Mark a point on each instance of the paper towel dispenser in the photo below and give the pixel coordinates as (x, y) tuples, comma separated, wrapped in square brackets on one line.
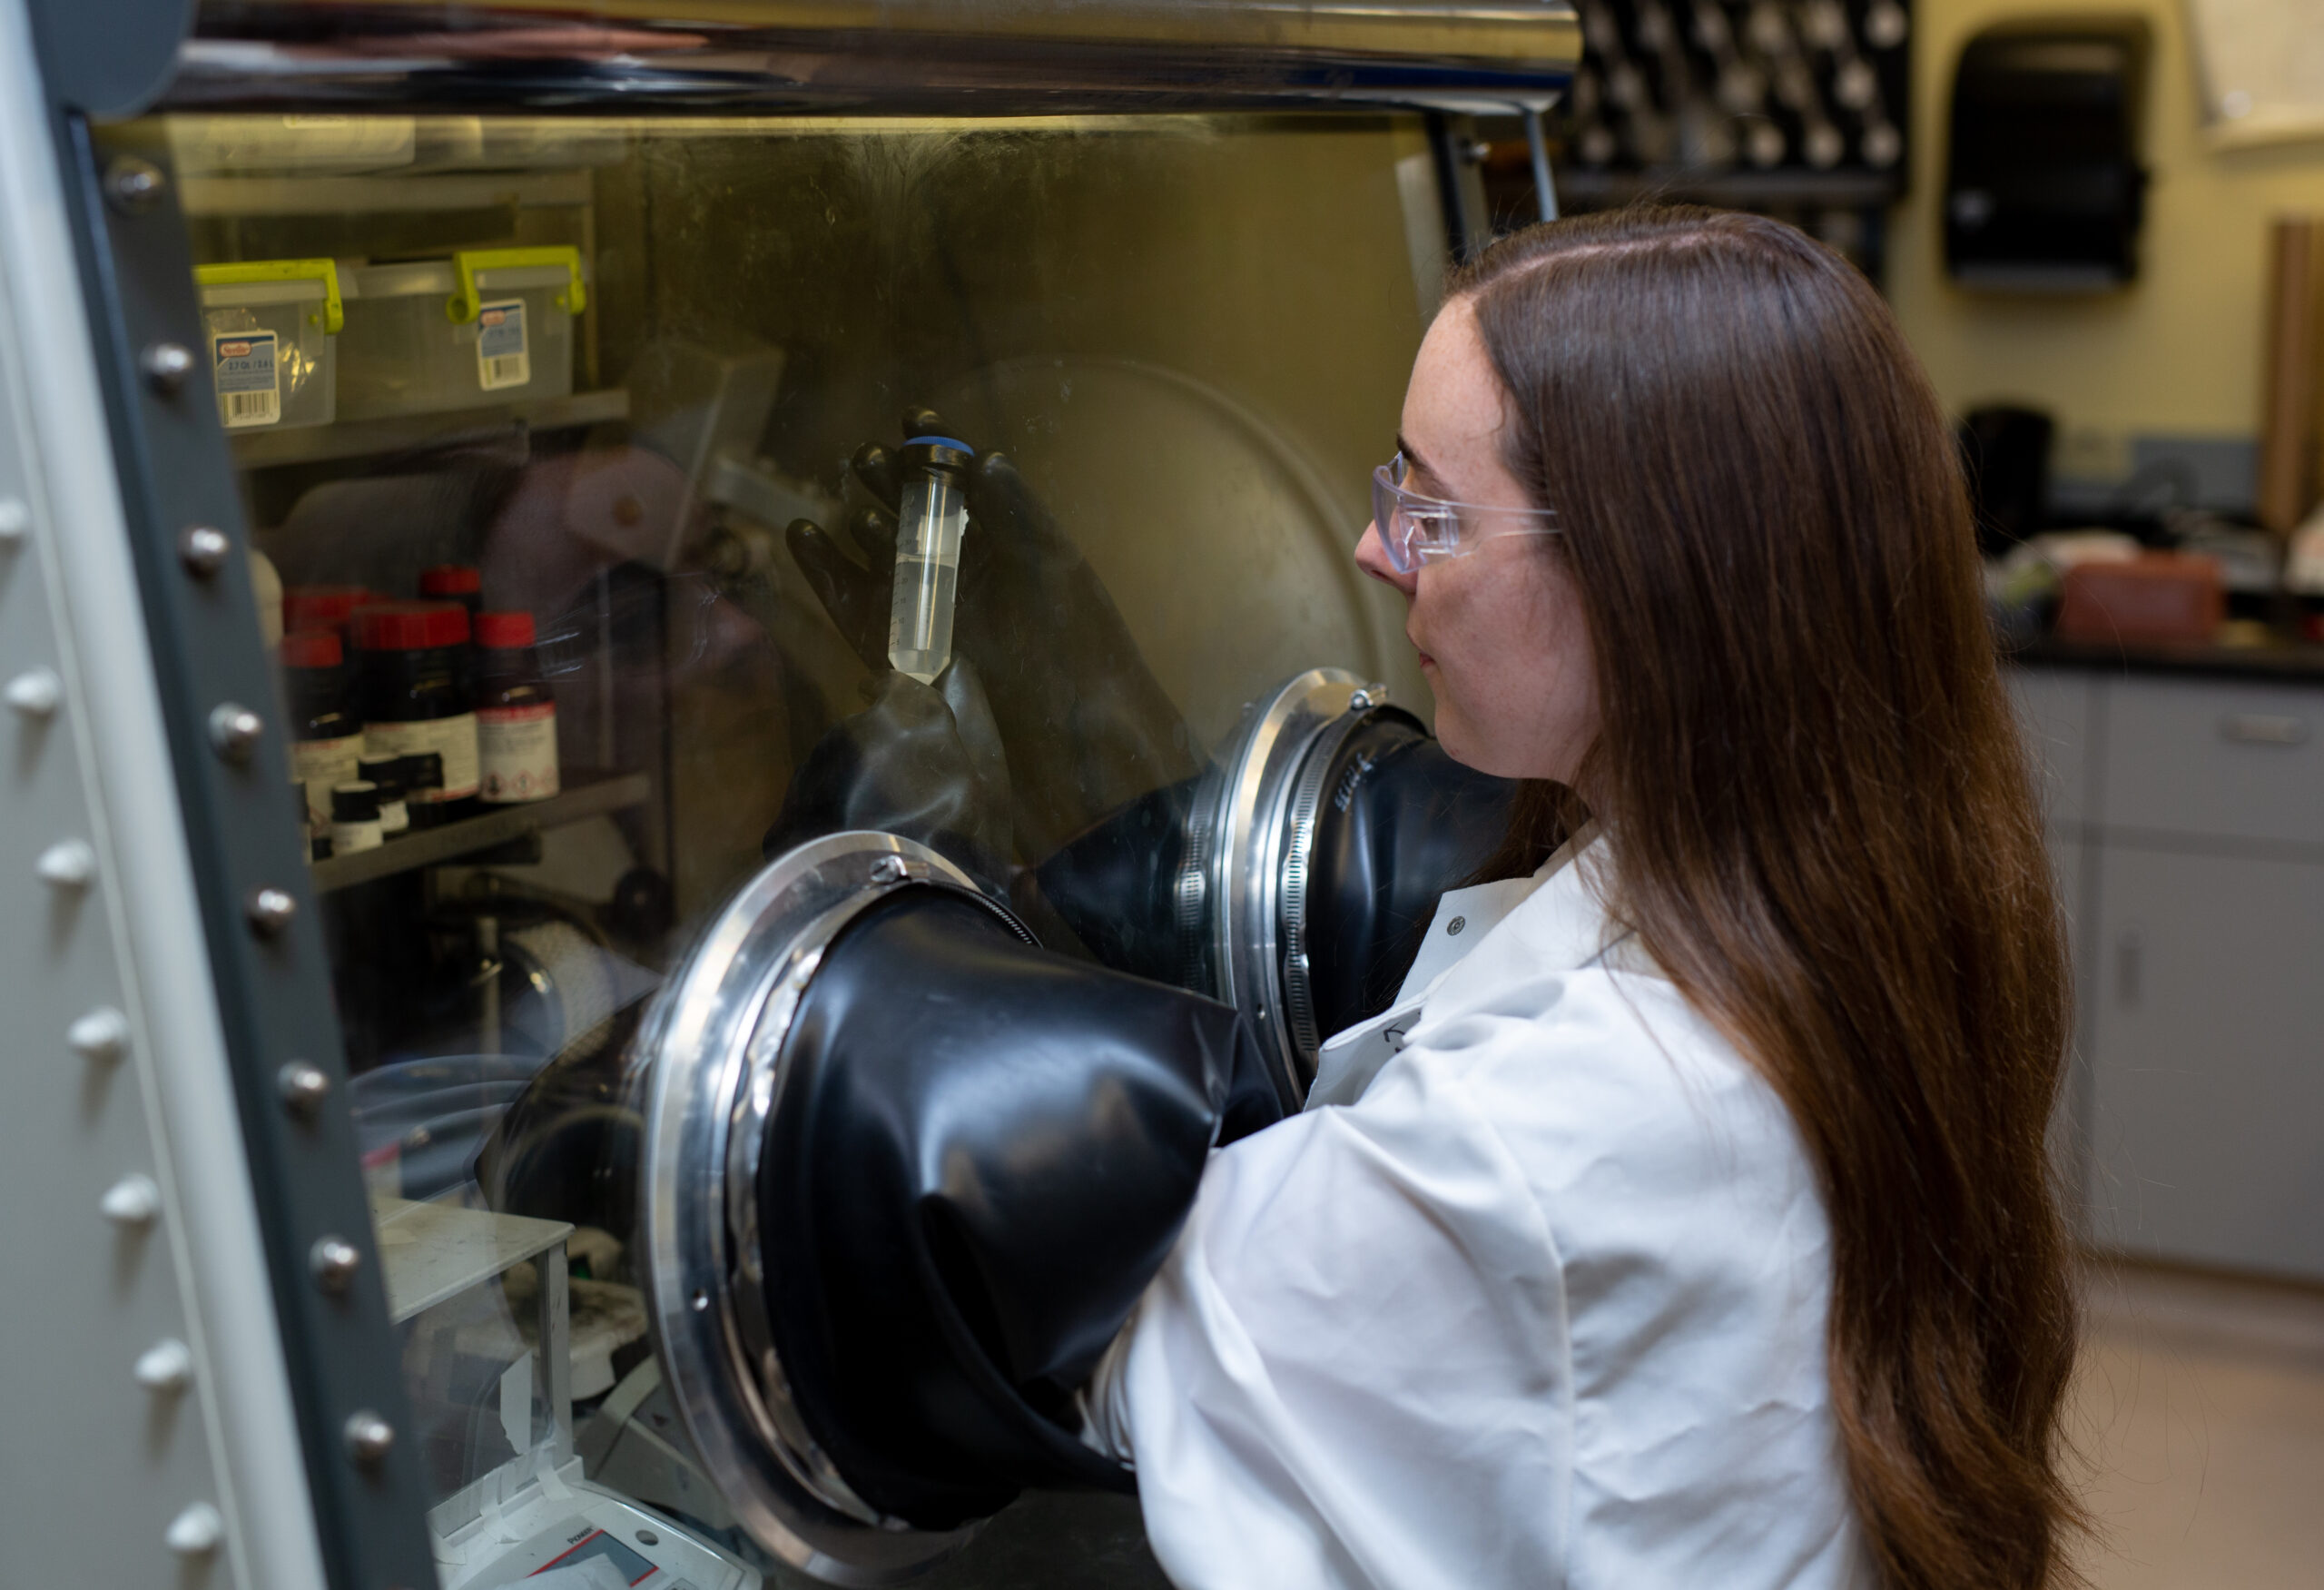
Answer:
[(2044, 191)]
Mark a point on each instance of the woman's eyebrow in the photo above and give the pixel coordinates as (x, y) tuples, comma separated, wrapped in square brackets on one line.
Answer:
[(1412, 456)]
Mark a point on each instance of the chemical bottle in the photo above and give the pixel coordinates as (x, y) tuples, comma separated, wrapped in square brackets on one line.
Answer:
[(325, 606), (423, 777), (313, 830), (454, 582), (515, 714), (355, 817), (387, 774), (326, 736), (411, 685)]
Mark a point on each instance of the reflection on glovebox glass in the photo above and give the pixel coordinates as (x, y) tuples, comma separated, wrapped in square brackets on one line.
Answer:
[(728, 805)]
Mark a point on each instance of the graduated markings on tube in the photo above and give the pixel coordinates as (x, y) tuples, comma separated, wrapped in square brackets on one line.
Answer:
[(502, 359), (247, 375)]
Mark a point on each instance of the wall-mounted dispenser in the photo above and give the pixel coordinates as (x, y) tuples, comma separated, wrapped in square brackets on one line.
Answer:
[(2044, 191)]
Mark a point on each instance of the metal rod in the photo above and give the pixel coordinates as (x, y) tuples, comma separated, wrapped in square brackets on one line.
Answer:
[(1545, 188), (890, 57)]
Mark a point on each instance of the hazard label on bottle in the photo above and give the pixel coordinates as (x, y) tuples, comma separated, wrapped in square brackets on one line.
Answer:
[(518, 752)]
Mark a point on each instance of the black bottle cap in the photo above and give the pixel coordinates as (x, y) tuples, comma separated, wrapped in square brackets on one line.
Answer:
[(387, 772), (357, 802), (938, 453)]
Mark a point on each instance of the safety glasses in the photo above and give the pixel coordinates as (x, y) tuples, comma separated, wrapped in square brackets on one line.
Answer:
[(1416, 529)]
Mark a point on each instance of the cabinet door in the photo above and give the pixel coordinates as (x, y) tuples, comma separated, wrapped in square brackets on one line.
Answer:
[(2053, 711), (2243, 759), (2069, 1124), (2208, 1129)]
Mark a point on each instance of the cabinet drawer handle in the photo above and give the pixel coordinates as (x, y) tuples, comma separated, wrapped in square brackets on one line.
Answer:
[(2264, 728)]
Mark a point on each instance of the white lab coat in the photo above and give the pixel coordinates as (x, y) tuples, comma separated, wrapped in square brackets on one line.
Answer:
[(1541, 1303)]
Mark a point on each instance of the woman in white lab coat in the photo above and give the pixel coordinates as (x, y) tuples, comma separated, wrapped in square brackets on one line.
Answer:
[(1694, 1227)]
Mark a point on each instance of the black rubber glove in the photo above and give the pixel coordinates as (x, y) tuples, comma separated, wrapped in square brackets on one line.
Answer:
[(1405, 823), (1087, 726), (925, 763), (980, 1155), (1116, 884)]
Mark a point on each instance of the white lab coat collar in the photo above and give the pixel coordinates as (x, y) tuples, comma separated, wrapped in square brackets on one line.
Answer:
[(1482, 938)]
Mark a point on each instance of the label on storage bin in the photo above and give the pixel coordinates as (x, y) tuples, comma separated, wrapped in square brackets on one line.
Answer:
[(452, 739), (250, 387), (517, 749), (320, 763), (501, 359)]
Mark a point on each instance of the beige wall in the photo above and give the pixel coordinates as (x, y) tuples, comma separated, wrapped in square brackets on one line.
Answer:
[(2179, 352)]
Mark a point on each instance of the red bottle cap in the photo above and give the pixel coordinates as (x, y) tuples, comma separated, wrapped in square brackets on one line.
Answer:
[(411, 626), (312, 648), (504, 631), (450, 579), (320, 606)]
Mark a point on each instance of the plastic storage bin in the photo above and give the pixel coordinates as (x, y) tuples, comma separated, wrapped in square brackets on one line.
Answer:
[(493, 326), (270, 330)]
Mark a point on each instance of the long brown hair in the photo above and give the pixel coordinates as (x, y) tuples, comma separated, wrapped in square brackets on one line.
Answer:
[(1821, 818)]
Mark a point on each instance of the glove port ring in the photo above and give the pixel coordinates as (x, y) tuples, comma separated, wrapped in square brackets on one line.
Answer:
[(704, 1075)]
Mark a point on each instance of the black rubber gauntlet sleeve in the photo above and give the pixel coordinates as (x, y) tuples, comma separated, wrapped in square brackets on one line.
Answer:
[(982, 1152)]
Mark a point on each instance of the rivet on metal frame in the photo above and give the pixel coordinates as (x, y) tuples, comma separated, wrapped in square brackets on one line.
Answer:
[(36, 693), (196, 1532), (131, 185), (269, 911), (202, 549), (165, 1366), (234, 730), (133, 1202), (334, 1262), (369, 1438), (303, 1087), (890, 869), (100, 1036), (69, 863), (167, 366)]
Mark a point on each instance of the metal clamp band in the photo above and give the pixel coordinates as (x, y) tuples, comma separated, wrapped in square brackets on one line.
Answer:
[(1245, 882), (706, 1073)]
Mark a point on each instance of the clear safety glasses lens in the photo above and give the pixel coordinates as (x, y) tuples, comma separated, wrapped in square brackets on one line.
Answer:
[(1413, 530)]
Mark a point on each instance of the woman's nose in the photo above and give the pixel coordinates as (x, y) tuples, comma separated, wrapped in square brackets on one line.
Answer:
[(1373, 559)]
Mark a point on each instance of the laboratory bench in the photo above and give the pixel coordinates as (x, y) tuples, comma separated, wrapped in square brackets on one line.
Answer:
[(2280, 659), (2184, 798)]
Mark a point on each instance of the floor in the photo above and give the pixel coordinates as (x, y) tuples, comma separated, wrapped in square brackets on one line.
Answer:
[(2198, 1417)]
